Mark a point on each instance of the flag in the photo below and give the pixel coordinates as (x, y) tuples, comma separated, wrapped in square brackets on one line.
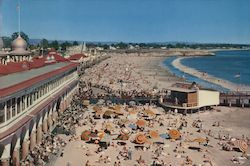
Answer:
[(237, 75)]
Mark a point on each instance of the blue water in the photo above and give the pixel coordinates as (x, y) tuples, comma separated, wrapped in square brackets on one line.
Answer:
[(225, 65)]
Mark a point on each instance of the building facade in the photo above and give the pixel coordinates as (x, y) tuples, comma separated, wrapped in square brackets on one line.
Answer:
[(29, 105)]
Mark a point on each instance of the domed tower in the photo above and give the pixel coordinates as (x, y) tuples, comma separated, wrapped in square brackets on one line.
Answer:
[(19, 50), (19, 45)]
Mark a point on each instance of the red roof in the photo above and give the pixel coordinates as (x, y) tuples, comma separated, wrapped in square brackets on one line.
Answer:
[(25, 84), (14, 67), (77, 56), (37, 62)]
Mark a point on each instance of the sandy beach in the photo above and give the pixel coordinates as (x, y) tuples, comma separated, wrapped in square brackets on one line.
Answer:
[(137, 72), (233, 124), (224, 83), (206, 138)]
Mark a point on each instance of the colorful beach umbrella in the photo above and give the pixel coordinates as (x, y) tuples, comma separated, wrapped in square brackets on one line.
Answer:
[(174, 134), (164, 136), (140, 138), (242, 145), (132, 126), (141, 123), (125, 131), (153, 134), (101, 134), (85, 135)]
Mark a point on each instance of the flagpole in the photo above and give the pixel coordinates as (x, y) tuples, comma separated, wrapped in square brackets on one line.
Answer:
[(19, 18)]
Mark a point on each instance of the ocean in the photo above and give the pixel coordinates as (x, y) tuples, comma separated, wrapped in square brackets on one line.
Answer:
[(233, 66)]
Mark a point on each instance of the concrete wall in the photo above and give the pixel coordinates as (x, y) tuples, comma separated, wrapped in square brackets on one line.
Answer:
[(208, 98)]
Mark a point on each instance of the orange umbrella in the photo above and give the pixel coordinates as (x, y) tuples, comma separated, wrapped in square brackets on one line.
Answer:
[(153, 134), (98, 112), (96, 108), (242, 145), (149, 112), (140, 138), (174, 134), (141, 123), (85, 135)]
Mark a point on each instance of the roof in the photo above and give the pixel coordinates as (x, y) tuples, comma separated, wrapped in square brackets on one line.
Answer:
[(14, 67), (15, 82), (76, 56), (182, 89)]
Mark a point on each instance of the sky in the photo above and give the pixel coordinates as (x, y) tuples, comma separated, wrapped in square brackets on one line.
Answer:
[(202, 21)]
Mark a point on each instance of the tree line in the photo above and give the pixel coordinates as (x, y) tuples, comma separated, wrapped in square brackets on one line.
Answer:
[(44, 43)]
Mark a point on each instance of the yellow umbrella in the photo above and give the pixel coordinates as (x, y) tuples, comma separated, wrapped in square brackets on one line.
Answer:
[(101, 134)]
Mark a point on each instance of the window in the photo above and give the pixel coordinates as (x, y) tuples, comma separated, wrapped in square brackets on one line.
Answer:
[(2, 114), (13, 105), (18, 105), (23, 103), (8, 109)]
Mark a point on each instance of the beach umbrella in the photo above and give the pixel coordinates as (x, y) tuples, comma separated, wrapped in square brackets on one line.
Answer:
[(153, 134), (174, 134), (108, 113), (101, 101), (150, 112), (117, 107), (242, 145), (96, 108), (106, 138), (140, 138), (125, 131), (85, 135), (132, 126), (101, 134), (141, 123), (123, 137), (118, 112), (132, 103), (200, 140), (109, 126), (164, 136), (86, 102)]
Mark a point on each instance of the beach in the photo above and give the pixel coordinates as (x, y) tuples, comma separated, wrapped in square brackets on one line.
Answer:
[(204, 76), (140, 73), (168, 151), (141, 134)]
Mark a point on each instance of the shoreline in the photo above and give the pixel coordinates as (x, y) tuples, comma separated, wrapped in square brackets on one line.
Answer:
[(207, 77)]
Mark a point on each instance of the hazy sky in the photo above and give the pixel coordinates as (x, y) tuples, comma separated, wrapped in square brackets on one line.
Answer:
[(226, 21)]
